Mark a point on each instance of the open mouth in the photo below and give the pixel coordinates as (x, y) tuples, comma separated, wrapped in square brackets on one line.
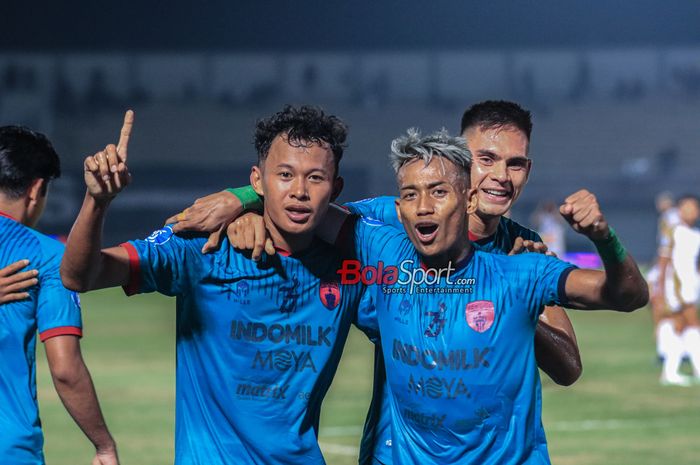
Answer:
[(426, 231), (298, 213)]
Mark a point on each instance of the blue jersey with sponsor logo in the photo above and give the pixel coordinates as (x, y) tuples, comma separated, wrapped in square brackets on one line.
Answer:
[(257, 345), (52, 310), (376, 438), (459, 353)]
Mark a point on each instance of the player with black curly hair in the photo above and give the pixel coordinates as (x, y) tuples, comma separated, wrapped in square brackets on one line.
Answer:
[(258, 343)]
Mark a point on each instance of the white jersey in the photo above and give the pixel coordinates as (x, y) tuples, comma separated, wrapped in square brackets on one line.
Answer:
[(682, 279)]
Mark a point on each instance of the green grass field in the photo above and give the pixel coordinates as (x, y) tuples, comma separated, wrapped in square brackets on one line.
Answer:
[(615, 414)]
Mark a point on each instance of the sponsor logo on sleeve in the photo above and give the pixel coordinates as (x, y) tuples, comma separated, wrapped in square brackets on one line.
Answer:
[(75, 298), (161, 236)]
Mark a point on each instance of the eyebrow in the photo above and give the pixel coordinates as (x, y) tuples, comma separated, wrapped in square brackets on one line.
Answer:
[(517, 158), (291, 168), (429, 186)]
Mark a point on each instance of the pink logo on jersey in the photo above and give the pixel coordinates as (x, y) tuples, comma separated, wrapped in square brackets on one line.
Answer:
[(330, 295), (480, 315)]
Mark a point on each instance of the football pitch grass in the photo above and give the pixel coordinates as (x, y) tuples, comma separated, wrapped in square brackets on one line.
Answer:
[(616, 414)]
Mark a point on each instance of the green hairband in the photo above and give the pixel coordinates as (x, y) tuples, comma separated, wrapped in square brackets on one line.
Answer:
[(611, 249), (248, 197)]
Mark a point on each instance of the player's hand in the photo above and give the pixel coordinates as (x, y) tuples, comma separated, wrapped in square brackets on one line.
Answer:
[(211, 214), (582, 212), (526, 245), (106, 172), (249, 233), (13, 283), (106, 457)]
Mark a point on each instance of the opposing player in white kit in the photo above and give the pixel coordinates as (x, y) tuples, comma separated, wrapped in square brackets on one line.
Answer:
[(678, 272)]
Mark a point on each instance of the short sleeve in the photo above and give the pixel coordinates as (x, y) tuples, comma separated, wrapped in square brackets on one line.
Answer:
[(541, 280), (380, 208), (158, 263), (58, 309), (377, 242)]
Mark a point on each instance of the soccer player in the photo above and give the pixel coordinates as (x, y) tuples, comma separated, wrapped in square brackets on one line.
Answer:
[(498, 133), (457, 325), (678, 272), (28, 163), (258, 343)]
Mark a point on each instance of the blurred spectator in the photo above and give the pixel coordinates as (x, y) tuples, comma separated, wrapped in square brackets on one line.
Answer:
[(551, 226)]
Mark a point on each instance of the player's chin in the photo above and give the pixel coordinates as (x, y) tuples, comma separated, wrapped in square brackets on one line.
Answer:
[(495, 209), (299, 227)]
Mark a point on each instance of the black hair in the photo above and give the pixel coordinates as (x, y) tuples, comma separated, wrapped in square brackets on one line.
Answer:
[(302, 126), (687, 196), (25, 155), (497, 114)]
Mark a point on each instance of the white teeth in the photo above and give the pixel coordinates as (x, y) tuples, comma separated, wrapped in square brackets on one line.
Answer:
[(496, 193)]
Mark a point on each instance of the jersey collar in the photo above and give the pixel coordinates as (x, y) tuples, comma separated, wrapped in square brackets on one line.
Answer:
[(2, 213), (460, 265)]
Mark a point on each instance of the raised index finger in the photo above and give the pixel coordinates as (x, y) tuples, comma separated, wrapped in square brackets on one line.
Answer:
[(124, 135)]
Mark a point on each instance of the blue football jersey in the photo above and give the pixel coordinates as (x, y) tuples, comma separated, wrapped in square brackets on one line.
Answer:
[(376, 436), (459, 352), (257, 345), (52, 310)]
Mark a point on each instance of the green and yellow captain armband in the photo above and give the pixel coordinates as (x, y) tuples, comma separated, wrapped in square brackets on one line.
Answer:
[(611, 249), (248, 197)]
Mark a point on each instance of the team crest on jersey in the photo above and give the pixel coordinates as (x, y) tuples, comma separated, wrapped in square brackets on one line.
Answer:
[(161, 236), (480, 315), (329, 293)]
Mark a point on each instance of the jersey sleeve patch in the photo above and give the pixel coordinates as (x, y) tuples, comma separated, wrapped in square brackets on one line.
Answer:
[(60, 331)]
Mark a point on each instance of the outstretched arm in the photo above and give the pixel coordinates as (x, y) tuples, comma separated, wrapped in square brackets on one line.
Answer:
[(74, 386), (621, 286), (85, 264)]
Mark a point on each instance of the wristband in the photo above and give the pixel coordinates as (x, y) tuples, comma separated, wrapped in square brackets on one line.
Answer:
[(248, 197), (611, 249)]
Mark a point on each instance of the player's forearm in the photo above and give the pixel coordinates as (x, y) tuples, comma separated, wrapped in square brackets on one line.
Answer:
[(77, 392), (83, 260), (624, 288), (556, 348)]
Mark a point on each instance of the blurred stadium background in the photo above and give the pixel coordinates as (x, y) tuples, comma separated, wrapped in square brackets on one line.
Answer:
[(614, 88)]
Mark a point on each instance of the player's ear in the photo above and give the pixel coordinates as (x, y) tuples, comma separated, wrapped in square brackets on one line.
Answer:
[(529, 168), (36, 190), (256, 180), (472, 200), (338, 185), (398, 210)]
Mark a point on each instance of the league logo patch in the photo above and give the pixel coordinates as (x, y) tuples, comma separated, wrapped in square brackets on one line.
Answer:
[(480, 315), (161, 236), (329, 294)]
